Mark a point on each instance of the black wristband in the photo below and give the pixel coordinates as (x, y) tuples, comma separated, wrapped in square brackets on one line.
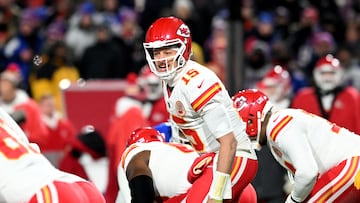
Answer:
[(293, 199), (142, 189)]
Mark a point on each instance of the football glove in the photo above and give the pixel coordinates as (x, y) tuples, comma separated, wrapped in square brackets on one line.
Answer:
[(199, 165)]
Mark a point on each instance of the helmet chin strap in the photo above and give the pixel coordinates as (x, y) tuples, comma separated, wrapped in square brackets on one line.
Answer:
[(260, 119), (256, 144)]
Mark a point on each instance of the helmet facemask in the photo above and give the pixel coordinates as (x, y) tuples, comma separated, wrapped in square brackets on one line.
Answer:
[(254, 125), (172, 63), (253, 106), (328, 80), (253, 128), (328, 74)]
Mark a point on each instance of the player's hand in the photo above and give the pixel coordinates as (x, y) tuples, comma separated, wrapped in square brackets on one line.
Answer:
[(289, 199), (214, 201), (199, 165)]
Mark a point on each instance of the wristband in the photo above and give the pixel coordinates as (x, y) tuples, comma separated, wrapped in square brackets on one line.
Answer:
[(142, 189), (218, 185), (228, 190)]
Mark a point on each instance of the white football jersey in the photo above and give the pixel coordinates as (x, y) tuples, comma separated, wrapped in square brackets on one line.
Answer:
[(306, 144), (201, 107), (23, 170), (169, 164)]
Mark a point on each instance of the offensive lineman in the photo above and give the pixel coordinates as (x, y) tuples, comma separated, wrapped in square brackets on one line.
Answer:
[(148, 161), (201, 108), (322, 158), (27, 176)]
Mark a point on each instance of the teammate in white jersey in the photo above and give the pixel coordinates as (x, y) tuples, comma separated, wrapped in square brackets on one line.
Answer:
[(200, 106), (27, 176), (322, 158), (155, 169)]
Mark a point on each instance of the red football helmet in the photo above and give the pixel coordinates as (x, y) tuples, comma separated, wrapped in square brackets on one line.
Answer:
[(168, 32), (252, 106), (328, 74), (144, 135), (276, 84)]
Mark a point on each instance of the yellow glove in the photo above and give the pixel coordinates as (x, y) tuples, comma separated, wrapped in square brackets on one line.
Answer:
[(357, 180)]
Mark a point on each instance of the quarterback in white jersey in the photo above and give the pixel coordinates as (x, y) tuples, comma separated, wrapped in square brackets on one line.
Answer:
[(322, 158), (27, 176), (200, 106)]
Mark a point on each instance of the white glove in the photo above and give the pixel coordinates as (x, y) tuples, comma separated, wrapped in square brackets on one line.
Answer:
[(290, 199)]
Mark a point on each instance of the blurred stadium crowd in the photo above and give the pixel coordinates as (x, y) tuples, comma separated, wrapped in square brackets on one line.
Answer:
[(43, 42)]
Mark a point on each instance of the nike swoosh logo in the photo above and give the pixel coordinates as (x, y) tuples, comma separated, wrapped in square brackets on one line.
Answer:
[(199, 86)]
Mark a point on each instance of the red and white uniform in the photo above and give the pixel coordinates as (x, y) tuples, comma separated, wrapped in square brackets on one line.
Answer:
[(322, 156), (198, 91), (27, 176), (200, 106), (169, 164)]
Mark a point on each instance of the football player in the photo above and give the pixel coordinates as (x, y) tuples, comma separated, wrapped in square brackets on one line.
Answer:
[(28, 176), (149, 161), (321, 157), (201, 108)]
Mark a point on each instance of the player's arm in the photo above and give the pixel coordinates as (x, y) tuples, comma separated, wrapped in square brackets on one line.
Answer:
[(140, 180), (218, 122), (226, 152), (123, 195), (298, 150)]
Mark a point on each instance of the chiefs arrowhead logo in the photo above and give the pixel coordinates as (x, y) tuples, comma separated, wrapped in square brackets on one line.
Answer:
[(183, 31), (180, 109), (240, 103)]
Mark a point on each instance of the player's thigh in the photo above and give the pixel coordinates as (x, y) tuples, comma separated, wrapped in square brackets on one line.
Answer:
[(248, 195), (62, 192), (201, 187), (337, 184), (243, 172)]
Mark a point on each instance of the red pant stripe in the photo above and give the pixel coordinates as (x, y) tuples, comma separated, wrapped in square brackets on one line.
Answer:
[(351, 169), (236, 167)]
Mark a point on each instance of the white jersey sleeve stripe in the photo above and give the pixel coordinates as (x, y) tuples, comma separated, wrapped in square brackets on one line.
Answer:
[(206, 96)]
